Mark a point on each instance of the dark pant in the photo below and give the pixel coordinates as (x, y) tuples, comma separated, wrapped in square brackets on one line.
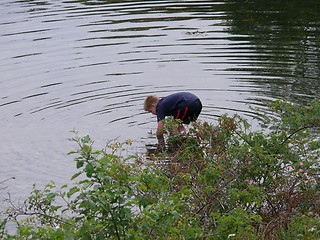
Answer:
[(189, 113)]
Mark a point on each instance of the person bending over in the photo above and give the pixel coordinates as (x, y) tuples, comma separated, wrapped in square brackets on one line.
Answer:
[(182, 105)]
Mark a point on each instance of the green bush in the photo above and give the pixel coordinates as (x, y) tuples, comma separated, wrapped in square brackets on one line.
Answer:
[(217, 181)]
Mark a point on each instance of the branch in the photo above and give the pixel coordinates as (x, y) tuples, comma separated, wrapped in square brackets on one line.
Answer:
[(243, 138), (293, 133), (2, 182), (19, 212)]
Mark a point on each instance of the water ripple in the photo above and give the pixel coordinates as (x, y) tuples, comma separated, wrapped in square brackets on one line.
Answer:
[(90, 64)]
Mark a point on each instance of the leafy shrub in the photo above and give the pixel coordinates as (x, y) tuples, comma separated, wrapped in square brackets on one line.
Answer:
[(217, 181)]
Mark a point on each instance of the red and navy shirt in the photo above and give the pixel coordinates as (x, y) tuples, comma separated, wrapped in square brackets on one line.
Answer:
[(174, 104)]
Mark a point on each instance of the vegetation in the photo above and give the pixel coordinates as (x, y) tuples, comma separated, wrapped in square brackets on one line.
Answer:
[(218, 181)]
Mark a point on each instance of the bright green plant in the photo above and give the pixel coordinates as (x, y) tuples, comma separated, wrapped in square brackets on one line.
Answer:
[(217, 181)]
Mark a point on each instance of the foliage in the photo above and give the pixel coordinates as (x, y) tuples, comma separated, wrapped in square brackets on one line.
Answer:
[(217, 181)]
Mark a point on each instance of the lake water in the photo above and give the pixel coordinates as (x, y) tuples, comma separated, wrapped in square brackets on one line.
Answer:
[(88, 65)]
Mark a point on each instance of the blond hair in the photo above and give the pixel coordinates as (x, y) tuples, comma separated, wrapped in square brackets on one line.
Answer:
[(149, 101)]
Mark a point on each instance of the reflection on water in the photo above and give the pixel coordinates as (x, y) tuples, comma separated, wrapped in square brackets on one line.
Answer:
[(284, 37), (88, 65)]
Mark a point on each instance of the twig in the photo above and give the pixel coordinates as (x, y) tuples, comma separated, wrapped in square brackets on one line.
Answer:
[(293, 133), (17, 213), (2, 182), (7, 180)]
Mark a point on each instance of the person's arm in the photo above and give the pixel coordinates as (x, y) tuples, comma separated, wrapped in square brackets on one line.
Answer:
[(160, 133)]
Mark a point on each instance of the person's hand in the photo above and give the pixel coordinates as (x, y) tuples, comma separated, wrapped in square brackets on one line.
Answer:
[(160, 145)]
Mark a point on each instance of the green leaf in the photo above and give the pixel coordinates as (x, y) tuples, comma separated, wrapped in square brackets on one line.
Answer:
[(89, 204), (86, 139), (72, 191), (51, 196), (80, 163), (125, 213), (89, 170), (75, 175)]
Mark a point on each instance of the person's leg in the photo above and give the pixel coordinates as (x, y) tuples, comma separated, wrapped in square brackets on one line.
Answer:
[(194, 111), (180, 115)]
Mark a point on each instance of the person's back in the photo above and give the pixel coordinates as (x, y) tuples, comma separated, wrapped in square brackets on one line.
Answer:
[(169, 106)]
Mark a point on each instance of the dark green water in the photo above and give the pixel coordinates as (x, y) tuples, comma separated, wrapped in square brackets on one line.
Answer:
[(88, 65)]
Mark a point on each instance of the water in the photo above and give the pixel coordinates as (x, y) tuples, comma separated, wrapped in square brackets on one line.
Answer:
[(88, 65)]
